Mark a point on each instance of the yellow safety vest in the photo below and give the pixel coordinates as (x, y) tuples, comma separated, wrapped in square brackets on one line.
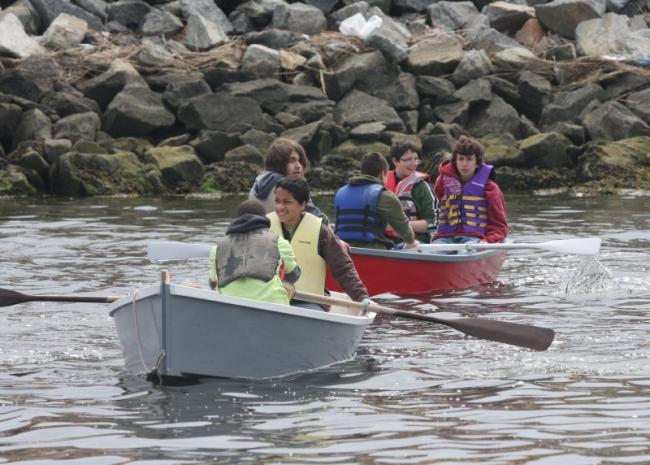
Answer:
[(305, 246)]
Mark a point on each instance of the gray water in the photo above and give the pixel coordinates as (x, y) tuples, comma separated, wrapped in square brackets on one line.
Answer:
[(416, 393)]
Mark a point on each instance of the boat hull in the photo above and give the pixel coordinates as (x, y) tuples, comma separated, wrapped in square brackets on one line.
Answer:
[(173, 330), (404, 272)]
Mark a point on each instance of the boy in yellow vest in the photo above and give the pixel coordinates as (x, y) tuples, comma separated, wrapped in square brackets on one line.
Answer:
[(313, 243)]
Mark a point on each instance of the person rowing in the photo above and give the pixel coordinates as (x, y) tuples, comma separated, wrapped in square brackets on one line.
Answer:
[(364, 208)]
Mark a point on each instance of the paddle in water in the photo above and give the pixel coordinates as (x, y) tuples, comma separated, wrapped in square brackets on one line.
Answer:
[(530, 337), (9, 297)]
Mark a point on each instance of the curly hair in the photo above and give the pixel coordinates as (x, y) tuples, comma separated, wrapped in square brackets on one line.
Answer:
[(468, 146)]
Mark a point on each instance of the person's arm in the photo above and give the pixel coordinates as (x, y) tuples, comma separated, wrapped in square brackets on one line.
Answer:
[(497, 228), (335, 254), (391, 210), (291, 268), (427, 206)]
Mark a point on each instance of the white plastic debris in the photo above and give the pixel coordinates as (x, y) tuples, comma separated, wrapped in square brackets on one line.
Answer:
[(357, 25)]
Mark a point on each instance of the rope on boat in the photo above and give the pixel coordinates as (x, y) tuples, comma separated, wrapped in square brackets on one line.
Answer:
[(137, 332)]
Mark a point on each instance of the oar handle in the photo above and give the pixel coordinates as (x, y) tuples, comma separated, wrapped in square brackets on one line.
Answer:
[(73, 298)]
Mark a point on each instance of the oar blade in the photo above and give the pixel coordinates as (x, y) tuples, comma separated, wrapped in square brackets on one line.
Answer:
[(170, 250), (530, 337), (585, 246), (8, 298)]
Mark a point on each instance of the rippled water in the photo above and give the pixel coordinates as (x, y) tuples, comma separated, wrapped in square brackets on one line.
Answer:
[(416, 393)]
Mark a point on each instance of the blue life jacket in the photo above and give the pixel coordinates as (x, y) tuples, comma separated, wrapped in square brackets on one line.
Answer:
[(355, 206)]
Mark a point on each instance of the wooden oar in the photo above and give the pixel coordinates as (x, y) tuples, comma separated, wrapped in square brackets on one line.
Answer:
[(530, 337), (586, 246), (8, 297), (170, 250)]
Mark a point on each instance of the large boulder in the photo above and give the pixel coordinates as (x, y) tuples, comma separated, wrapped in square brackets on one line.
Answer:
[(49, 10), (32, 78), (436, 54), (181, 169), (136, 111), (14, 41), (221, 111), (82, 174), (622, 160), (613, 121), (546, 150), (563, 16), (358, 107)]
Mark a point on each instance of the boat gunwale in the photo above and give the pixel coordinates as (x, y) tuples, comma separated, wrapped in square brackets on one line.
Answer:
[(213, 296), (425, 256)]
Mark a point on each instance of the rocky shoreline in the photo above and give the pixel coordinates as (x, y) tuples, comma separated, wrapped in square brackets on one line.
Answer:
[(183, 97)]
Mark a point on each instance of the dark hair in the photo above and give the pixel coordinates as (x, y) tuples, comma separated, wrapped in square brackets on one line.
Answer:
[(254, 207), (297, 186), (373, 164), (468, 146), (277, 156), (399, 147)]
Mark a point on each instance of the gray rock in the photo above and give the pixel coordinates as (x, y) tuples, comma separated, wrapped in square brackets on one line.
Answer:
[(326, 6), (451, 15), (639, 104), (508, 17), (10, 115), (27, 15), (260, 12), (566, 106), (433, 87), (563, 16), (453, 113), (498, 117), (48, 10), (402, 94), (245, 153), (208, 10), (299, 17), (436, 54), (98, 8), (68, 103), (14, 41), (136, 111), (203, 34), (313, 137), (574, 132), (31, 79), (546, 150), (277, 39), (77, 126), (211, 146), (368, 131), (492, 41), (223, 112), (358, 107), (180, 91), (262, 61), (475, 92), (54, 148), (103, 88), (275, 96), (614, 121), (65, 31), (129, 13), (160, 23), (535, 92), (473, 65), (180, 168), (602, 36), (365, 71), (33, 125)]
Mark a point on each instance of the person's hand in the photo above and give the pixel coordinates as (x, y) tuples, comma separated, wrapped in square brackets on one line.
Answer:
[(290, 288), (412, 245), (367, 302)]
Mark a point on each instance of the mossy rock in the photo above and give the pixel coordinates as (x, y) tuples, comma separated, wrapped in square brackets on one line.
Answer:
[(137, 145), (532, 179), (14, 182), (355, 149), (620, 159), (228, 177), (181, 169), (245, 153), (88, 174)]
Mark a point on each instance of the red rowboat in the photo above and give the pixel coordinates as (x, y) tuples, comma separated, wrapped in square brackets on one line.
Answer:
[(420, 272)]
